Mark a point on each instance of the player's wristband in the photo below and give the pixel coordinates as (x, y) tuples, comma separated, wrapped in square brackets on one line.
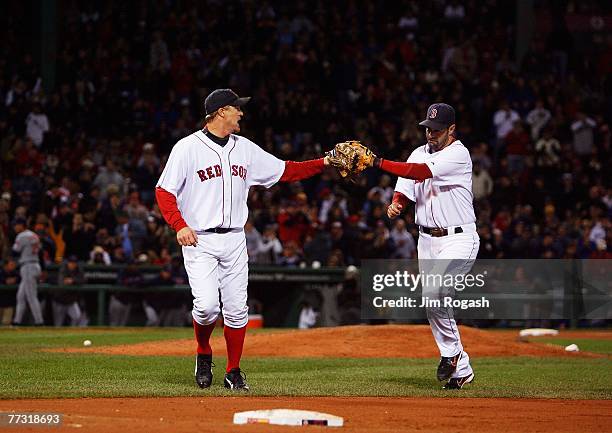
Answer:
[(377, 162)]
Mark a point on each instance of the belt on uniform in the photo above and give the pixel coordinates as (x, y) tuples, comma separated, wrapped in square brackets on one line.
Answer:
[(220, 230), (438, 232)]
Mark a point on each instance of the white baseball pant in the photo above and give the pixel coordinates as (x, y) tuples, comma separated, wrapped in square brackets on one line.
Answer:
[(219, 264), (447, 255)]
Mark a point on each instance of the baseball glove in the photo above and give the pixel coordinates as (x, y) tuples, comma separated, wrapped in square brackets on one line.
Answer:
[(350, 158)]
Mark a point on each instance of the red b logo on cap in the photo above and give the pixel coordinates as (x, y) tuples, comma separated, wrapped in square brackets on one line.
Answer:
[(433, 114)]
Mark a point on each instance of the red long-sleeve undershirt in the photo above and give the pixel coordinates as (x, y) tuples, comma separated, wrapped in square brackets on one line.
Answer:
[(166, 201), (409, 170), (294, 171), (401, 199)]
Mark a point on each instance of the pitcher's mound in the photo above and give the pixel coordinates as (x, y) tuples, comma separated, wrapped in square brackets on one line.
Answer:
[(386, 341)]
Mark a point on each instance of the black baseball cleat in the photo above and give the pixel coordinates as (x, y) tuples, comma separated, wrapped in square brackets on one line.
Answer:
[(447, 366), (458, 382), (203, 370), (236, 380)]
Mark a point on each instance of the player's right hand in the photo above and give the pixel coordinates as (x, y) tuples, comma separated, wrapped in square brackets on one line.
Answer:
[(394, 210), (187, 237)]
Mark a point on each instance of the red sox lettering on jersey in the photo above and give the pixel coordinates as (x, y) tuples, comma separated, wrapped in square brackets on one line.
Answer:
[(216, 171), (197, 174)]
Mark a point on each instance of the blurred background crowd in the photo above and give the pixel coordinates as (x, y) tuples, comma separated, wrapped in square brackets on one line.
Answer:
[(80, 159)]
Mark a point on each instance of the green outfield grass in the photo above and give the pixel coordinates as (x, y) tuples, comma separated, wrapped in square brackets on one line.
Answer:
[(28, 372)]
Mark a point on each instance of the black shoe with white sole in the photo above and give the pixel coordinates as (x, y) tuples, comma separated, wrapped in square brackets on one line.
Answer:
[(203, 370), (236, 380), (447, 366), (458, 382)]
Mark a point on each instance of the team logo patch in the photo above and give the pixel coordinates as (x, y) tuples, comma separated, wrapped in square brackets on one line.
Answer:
[(434, 113)]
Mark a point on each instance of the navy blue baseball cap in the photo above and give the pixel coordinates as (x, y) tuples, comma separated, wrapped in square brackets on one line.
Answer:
[(439, 116), (221, 98)]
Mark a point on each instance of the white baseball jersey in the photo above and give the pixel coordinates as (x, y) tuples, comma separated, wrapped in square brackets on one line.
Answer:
[(446, 199), (211, 182)]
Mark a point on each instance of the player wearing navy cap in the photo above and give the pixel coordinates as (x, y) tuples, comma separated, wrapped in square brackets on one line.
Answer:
[(438, 178), (202, 193)]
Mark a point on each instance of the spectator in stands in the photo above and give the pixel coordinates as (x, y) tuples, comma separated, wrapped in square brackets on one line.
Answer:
[(253, 240), (537, 119), (37, 125), (270, 247), (129, 233), (482, 184), (109, 175), (405, 247), (79, 238), (504, 119), (339, 241), (583, 130), (317, 246), (379, 245), (134, 209), (292, 224), (548, 151), (291, 255), (99, 256), (154, 237), (517, 147), (147, 173)]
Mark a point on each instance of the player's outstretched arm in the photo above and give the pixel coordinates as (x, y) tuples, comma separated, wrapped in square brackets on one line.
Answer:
[(408, 170), (295, 171), (166, 201)]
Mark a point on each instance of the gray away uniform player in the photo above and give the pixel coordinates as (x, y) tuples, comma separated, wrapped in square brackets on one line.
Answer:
[(27, 246)]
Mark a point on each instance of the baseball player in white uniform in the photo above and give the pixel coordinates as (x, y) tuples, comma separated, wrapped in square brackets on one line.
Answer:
[(202, 193), (27, 246), (438, 178)]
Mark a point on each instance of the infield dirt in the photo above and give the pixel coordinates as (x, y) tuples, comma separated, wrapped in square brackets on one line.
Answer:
[(361, 414)]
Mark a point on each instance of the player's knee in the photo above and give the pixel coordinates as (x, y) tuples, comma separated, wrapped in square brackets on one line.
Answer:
[(205, 313), (435, 312), (236, 318)]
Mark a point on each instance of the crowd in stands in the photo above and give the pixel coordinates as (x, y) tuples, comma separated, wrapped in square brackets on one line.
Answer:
[(81, 161)]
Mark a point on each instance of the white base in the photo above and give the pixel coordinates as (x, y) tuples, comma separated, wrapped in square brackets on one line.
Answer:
[(287, 417), (538, 332)]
